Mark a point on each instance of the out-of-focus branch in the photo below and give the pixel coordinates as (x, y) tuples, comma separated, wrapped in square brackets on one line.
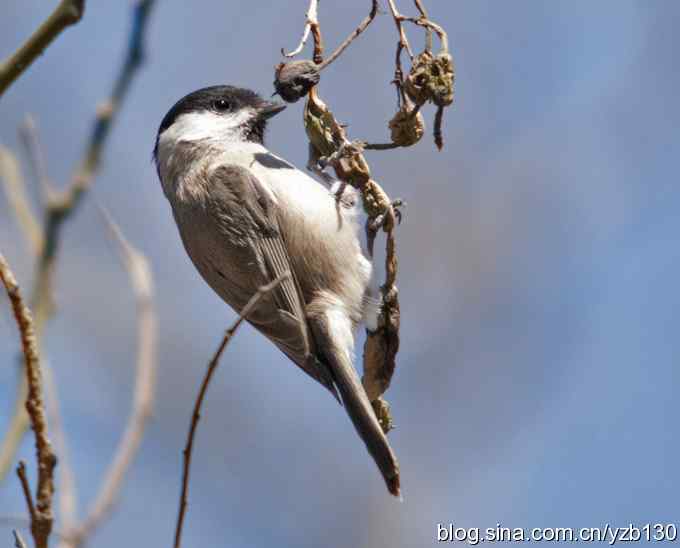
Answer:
[(196, 415), (141, 278), (15, 190), (67, 13), (41, 513), (18, 541), (61, 206), (28, 133), (66, 495)]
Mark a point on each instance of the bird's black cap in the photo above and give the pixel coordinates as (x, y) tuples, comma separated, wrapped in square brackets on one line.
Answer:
[(222, 99)]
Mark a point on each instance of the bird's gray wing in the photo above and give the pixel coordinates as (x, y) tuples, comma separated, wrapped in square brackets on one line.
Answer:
[(247, 214)]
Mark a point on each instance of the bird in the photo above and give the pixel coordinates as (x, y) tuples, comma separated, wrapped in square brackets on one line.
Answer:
[(247, 217)]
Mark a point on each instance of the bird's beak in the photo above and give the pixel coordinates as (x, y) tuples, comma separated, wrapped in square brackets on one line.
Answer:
[(269, 108)]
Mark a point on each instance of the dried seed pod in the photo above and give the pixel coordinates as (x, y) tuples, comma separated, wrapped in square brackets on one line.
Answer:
[(416, 82), (318, 125), (294, 80), (441, 81), (431, 79), (407, 128)]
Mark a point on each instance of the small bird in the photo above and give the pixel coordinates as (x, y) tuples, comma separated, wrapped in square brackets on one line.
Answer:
[(246, 217)]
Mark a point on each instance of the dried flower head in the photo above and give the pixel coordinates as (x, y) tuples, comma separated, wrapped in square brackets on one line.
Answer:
[(407, 127), (431, 79), (294, 80)]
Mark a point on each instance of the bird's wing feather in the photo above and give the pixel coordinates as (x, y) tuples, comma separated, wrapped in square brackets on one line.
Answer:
[(245, 207)]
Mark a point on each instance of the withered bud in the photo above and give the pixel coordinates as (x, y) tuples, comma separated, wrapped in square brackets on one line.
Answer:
[(407, 128), (319, 127), (293, 80), (431, 79)]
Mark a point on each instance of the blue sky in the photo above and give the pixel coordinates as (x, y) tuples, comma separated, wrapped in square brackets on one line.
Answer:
[(536, 384)]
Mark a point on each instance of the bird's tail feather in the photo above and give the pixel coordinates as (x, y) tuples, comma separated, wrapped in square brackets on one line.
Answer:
[(337, 356), (361, 412)]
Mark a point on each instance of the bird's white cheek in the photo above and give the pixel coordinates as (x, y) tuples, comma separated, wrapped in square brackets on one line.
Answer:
[(208, 125)]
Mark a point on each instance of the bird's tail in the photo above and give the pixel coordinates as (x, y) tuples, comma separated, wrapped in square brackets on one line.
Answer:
[(360, 411), (355, 400)]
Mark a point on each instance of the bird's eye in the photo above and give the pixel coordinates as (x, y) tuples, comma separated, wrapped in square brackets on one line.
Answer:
[(221, 105)]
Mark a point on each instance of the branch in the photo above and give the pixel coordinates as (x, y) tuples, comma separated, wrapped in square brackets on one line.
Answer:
[(41, 514), (141, 278), (18, 541), (61, 207), (28, 134), (14, 186), (428, 34), (311, 25), (67, 13), (196, 415), (361, 28)]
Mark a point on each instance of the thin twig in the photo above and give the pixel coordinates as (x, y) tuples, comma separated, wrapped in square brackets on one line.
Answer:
[(141, 278), (311, 21), (15, 190), (61, 207), (430, 25), (67, 13), (401, 45), (196, 415), (18, 541), (428, 32), (380, 146), (66, 495), (26, 488), (41, 520), (28, 133), (361, 28), (398, 18)]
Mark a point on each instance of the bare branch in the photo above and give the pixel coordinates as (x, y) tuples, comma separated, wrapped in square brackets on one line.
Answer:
[(67, 499), (361, 28), (312, 20), (67, 13), (141, 278), (428, 34), (15, 190), (196, 415), (41, 519), (26, 488), (60, 208), (438, 135), (430, 25), (28, 133), (18, 541)]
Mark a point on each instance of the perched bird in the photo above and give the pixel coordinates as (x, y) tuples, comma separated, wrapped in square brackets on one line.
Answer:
[(246, 217)]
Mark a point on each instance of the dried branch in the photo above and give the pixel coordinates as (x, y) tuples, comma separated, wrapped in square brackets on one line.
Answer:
[(196, 415), (26, 488), (15, 190), (67, 500), (402, 45), (141, 278), (67, 13), (18, 541), (431, 26), (361, 28), (60, 207), (311, 25), (28, 133), (428, 34), (41, 514)]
